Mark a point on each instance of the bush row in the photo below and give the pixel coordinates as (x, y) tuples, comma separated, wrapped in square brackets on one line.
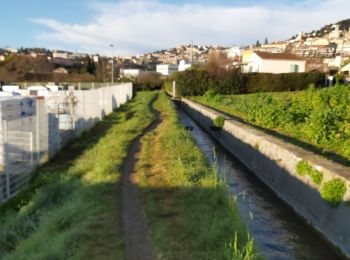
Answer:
[(319, 117), (197, 81)]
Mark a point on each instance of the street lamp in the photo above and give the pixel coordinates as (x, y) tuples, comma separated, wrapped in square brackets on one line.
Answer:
[(112, 78)]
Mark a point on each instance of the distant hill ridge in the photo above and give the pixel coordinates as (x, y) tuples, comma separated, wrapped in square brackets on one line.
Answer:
[(343, 25)]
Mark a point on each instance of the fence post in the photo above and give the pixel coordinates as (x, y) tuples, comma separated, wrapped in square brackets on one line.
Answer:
[(7, 173), (31, 149), (37, 115)]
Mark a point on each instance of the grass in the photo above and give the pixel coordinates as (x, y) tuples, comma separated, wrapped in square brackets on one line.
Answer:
[(317, 120), (219, 122), (333, 191), (190, 214), (71, 210), (304, 168)]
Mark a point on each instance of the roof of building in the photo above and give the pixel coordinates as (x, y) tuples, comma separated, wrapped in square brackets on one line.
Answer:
[(277, 56), (346, 67)]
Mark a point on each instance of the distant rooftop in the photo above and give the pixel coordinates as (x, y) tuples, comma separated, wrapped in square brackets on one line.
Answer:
[(277, 56)]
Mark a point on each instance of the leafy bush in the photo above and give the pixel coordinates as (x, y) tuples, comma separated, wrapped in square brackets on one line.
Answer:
[(219, 122), (333, 191), (304, 168), (148, 81), (196, 81), (192, 82), (320, 117)]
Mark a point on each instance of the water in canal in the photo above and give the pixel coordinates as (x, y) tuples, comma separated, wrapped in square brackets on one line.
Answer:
[(276, 229)]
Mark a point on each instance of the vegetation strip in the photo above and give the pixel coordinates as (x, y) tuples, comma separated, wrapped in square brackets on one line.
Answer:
[(318, 120), (189, 211), (71, 209)]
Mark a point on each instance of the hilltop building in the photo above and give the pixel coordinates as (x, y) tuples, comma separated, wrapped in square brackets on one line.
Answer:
[(265, 62), (167, 69), (184, 65)]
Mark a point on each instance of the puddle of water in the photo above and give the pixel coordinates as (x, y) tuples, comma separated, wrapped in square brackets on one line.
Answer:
[(276, 229)]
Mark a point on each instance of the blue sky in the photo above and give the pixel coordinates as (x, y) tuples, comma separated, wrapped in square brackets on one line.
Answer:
[(137, 26)]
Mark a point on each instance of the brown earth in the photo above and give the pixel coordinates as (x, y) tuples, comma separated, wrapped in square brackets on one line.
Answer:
[(19, 68), (134, 220)]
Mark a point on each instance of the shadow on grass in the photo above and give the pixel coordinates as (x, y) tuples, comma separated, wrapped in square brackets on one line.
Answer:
[(64, 159)]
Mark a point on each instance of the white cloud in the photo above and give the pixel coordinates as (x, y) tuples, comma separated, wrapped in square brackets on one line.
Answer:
[(139, 26)]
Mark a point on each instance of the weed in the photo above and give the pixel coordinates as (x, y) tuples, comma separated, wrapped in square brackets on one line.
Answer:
[(219, 122), (333, 191), (316, 119), (304, 168)]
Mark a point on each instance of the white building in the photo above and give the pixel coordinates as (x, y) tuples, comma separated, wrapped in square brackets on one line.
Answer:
[(167, 69), (265, 62), (235, 52), (60, 54), (12, 50), (333, 62), (130, 73), (183, 65), (2, 57), (346, 69), (96, 58)]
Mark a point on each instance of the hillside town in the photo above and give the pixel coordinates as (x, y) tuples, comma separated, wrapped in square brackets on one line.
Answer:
[(326, 50)]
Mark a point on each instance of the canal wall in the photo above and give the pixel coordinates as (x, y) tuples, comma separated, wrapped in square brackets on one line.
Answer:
[(275, 162)]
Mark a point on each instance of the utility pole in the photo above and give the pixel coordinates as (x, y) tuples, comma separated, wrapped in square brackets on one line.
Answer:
[(342, 49), (192, 53), (112, 76)]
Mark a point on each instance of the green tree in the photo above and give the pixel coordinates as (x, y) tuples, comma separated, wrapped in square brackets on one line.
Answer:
[(266, 41), (192, 82), (90, 66)]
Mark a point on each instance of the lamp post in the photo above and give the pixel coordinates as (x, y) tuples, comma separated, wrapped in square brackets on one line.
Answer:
[(112, 76)]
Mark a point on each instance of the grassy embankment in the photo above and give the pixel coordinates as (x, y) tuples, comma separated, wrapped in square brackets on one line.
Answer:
[(318, 120), (71, 210), (190, 213)]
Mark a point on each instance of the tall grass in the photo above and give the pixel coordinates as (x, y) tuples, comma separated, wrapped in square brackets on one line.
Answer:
[(190, 213), (315, 119), (71, 210)]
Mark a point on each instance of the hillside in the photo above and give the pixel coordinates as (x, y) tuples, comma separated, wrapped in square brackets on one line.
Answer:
[(344, 25), (25, 68)]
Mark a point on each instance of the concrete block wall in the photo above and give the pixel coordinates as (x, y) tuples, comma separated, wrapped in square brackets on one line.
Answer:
[(274, 162), (34, 129)]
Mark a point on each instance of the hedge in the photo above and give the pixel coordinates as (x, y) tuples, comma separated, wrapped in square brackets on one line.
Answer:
[(196, 82)]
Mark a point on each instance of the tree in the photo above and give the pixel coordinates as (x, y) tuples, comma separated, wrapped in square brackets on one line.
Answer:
[(149, 80), (192, 82), (258, 44), (90, 66), (216, 66), (266, 41)]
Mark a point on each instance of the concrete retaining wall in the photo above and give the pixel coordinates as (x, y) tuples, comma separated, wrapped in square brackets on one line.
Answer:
[(274, 162)]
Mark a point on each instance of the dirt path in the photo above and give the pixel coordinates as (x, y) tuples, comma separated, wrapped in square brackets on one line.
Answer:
[(134, 219)]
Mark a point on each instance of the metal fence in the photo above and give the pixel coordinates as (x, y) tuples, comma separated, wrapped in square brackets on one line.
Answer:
[(18, 160)]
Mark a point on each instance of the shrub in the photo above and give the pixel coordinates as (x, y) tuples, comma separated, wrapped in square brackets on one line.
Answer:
[(333, 191), (192, 82), (196, 81), (219, 122), (304, 168), (148, 81)]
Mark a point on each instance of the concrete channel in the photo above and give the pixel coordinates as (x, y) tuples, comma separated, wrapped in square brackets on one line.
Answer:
[(278, 227)]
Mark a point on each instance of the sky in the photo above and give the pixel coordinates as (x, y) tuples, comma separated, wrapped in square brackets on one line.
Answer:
[(140, 26)]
